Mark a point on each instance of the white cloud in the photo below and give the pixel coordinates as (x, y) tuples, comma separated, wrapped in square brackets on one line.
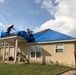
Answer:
[(49, 6), (2, 1), (1, 24), (65, 16), (2, 27), (37, 1), (20, 27)]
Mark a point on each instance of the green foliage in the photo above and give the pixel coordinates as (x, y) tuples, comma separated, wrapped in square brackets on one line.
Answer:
[(30, 69)]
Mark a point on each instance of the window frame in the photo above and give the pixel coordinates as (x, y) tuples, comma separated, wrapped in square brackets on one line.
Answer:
[(59, 48), (6, 52), (36, 46), (33, 51), (39, 50)]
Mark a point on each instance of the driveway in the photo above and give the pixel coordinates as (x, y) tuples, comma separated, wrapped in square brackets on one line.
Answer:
[(71, 72)]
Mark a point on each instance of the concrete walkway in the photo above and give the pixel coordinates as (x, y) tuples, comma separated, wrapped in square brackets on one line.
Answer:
[(71, 72)]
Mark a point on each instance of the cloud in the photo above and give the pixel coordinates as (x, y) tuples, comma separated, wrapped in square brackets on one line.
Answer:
[(3, 18), (64, 13), (2, 27), (20, 27), (37, 1), (50, 6), (2, 1)]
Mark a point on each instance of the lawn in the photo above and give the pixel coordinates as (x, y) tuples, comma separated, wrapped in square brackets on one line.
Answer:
[(30, 69)]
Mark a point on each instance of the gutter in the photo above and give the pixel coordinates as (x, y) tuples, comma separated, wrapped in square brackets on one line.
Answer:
[(11, 37), (58, 41)]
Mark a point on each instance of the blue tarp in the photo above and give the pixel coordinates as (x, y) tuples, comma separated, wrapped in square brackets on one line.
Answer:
[(19, 33), (49, 35)]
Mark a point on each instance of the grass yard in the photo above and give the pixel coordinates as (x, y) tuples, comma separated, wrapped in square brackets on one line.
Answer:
[(30, 69)]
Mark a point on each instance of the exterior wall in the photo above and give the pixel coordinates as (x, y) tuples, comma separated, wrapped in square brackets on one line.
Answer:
[(66, 58), (25, 49), (36, 60), (11, 53), (49, 55), (1, 52)]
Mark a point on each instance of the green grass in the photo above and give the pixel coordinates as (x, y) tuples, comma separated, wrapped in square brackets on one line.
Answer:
[(30, 69), (0, 59)]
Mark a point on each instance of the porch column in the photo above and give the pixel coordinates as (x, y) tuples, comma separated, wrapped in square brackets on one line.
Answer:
[(4, 51), (8, 52), (16, 47)]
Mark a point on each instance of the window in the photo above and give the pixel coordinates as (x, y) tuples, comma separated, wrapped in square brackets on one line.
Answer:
[(1, 44), (6, 52), (32, 51), (59, 48), (36, 51)]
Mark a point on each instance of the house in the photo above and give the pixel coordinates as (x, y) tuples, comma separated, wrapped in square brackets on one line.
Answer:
[(49, 47)]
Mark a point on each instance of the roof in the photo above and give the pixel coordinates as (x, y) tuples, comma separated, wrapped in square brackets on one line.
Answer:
[(50, 35), (43, 36), (43, 31)]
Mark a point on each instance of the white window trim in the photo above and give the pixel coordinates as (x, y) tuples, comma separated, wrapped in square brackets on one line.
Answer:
[(6, 51), (35, 52), (40, 51), (55, 48), (30, 52)]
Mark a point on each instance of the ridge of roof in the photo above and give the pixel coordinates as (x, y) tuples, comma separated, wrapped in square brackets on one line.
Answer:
[(43, 31)]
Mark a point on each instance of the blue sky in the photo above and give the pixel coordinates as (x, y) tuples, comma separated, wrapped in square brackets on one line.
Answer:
[(38, 15), (23, 13)]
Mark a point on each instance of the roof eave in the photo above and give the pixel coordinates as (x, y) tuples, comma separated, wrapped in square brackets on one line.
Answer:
[(57, 41), (11, 37)]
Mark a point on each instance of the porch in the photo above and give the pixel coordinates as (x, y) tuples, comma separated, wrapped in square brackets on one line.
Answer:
[(12, 43)]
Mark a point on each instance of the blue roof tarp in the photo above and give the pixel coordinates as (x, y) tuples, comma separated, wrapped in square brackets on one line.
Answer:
[(19, 33), (49, 35)]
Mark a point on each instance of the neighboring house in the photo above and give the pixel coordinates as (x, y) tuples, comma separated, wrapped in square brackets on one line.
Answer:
[(49, 47)]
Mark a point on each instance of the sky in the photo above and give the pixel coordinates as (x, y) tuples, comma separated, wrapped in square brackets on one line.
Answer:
[(37, 15)]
